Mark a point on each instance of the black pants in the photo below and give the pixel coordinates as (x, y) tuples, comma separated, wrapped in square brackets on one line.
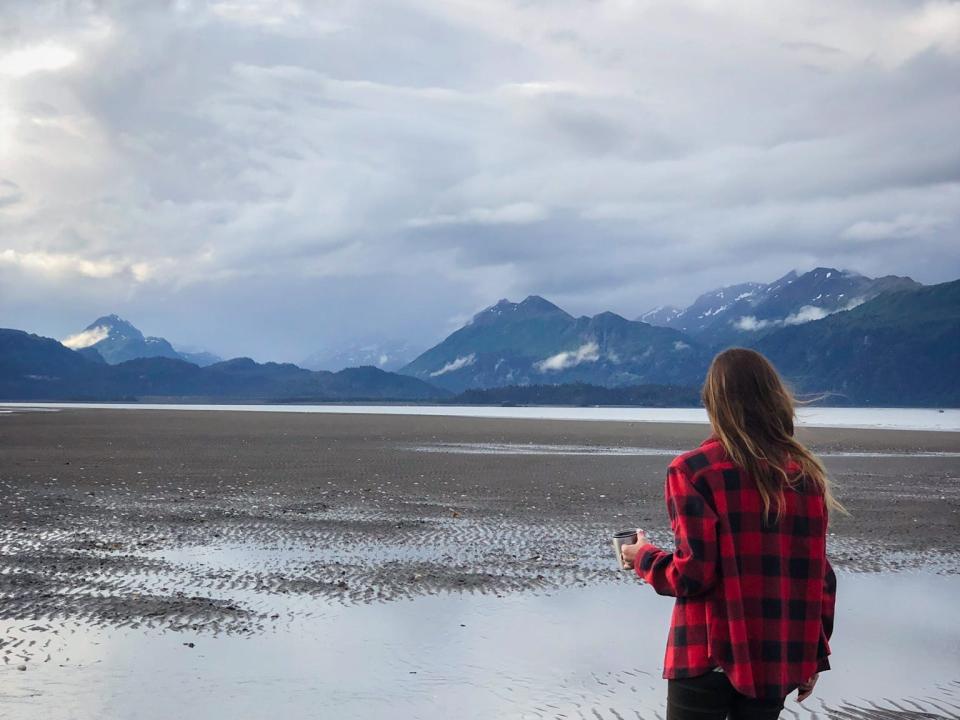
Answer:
[(712, 697)]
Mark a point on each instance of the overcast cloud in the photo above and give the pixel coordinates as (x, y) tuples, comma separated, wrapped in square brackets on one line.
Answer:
[(272, 178)]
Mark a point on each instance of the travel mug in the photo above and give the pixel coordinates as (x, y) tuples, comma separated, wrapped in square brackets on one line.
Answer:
[(624, 537)]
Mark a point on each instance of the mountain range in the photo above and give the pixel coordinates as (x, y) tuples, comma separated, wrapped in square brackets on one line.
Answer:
[(384, 354), (37, 368), (535, 342), (741, 314), (861, 340)]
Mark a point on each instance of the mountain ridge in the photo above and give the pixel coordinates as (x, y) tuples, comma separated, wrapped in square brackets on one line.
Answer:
[(900, 347), (903, 344), (745, 312), (37, 368), (535, 341), (553, 348)]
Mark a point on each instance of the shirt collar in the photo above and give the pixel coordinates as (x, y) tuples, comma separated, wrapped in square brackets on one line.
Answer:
[(711, 439)]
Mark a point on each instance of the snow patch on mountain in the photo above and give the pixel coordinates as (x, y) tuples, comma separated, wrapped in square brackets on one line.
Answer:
[(588, 352), (661, 315), (713, 311)]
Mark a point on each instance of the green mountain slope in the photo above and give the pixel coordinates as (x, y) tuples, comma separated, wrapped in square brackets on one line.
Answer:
[(901, 348), (535, 342)]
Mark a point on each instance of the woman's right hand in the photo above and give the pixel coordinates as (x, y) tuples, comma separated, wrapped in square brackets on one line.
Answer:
[(806, 689), (628, 553)]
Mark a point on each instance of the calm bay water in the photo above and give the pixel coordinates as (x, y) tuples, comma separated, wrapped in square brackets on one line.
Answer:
[(885, 418)]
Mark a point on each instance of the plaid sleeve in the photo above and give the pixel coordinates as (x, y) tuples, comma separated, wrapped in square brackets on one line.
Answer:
[(829, 600), (692, 567), (827, 609)]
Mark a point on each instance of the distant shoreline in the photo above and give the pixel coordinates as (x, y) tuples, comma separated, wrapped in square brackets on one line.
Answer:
[(868, 418)]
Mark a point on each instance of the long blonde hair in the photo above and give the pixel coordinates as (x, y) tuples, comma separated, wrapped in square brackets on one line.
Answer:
[(752, 413)]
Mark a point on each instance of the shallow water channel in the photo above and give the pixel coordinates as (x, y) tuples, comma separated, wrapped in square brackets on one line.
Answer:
[(591, 652)]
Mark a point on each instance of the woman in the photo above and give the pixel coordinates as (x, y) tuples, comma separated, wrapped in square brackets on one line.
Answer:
[(755, 593)]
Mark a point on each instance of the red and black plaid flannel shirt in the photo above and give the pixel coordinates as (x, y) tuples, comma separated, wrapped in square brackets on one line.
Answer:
[(755, 598)]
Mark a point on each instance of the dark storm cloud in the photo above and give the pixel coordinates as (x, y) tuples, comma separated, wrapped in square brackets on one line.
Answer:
[(272, 178)]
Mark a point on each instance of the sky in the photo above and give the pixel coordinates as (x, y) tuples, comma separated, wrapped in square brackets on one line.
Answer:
[(279, 178)]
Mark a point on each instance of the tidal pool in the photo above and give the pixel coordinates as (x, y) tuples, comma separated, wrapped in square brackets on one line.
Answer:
[(592, 652)]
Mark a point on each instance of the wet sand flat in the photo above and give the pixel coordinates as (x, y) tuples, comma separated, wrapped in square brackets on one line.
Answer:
[(400, 505), (227, 524)]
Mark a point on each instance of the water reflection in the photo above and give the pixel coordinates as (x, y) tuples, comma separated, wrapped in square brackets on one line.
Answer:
[(628, 450), (588, 652)]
